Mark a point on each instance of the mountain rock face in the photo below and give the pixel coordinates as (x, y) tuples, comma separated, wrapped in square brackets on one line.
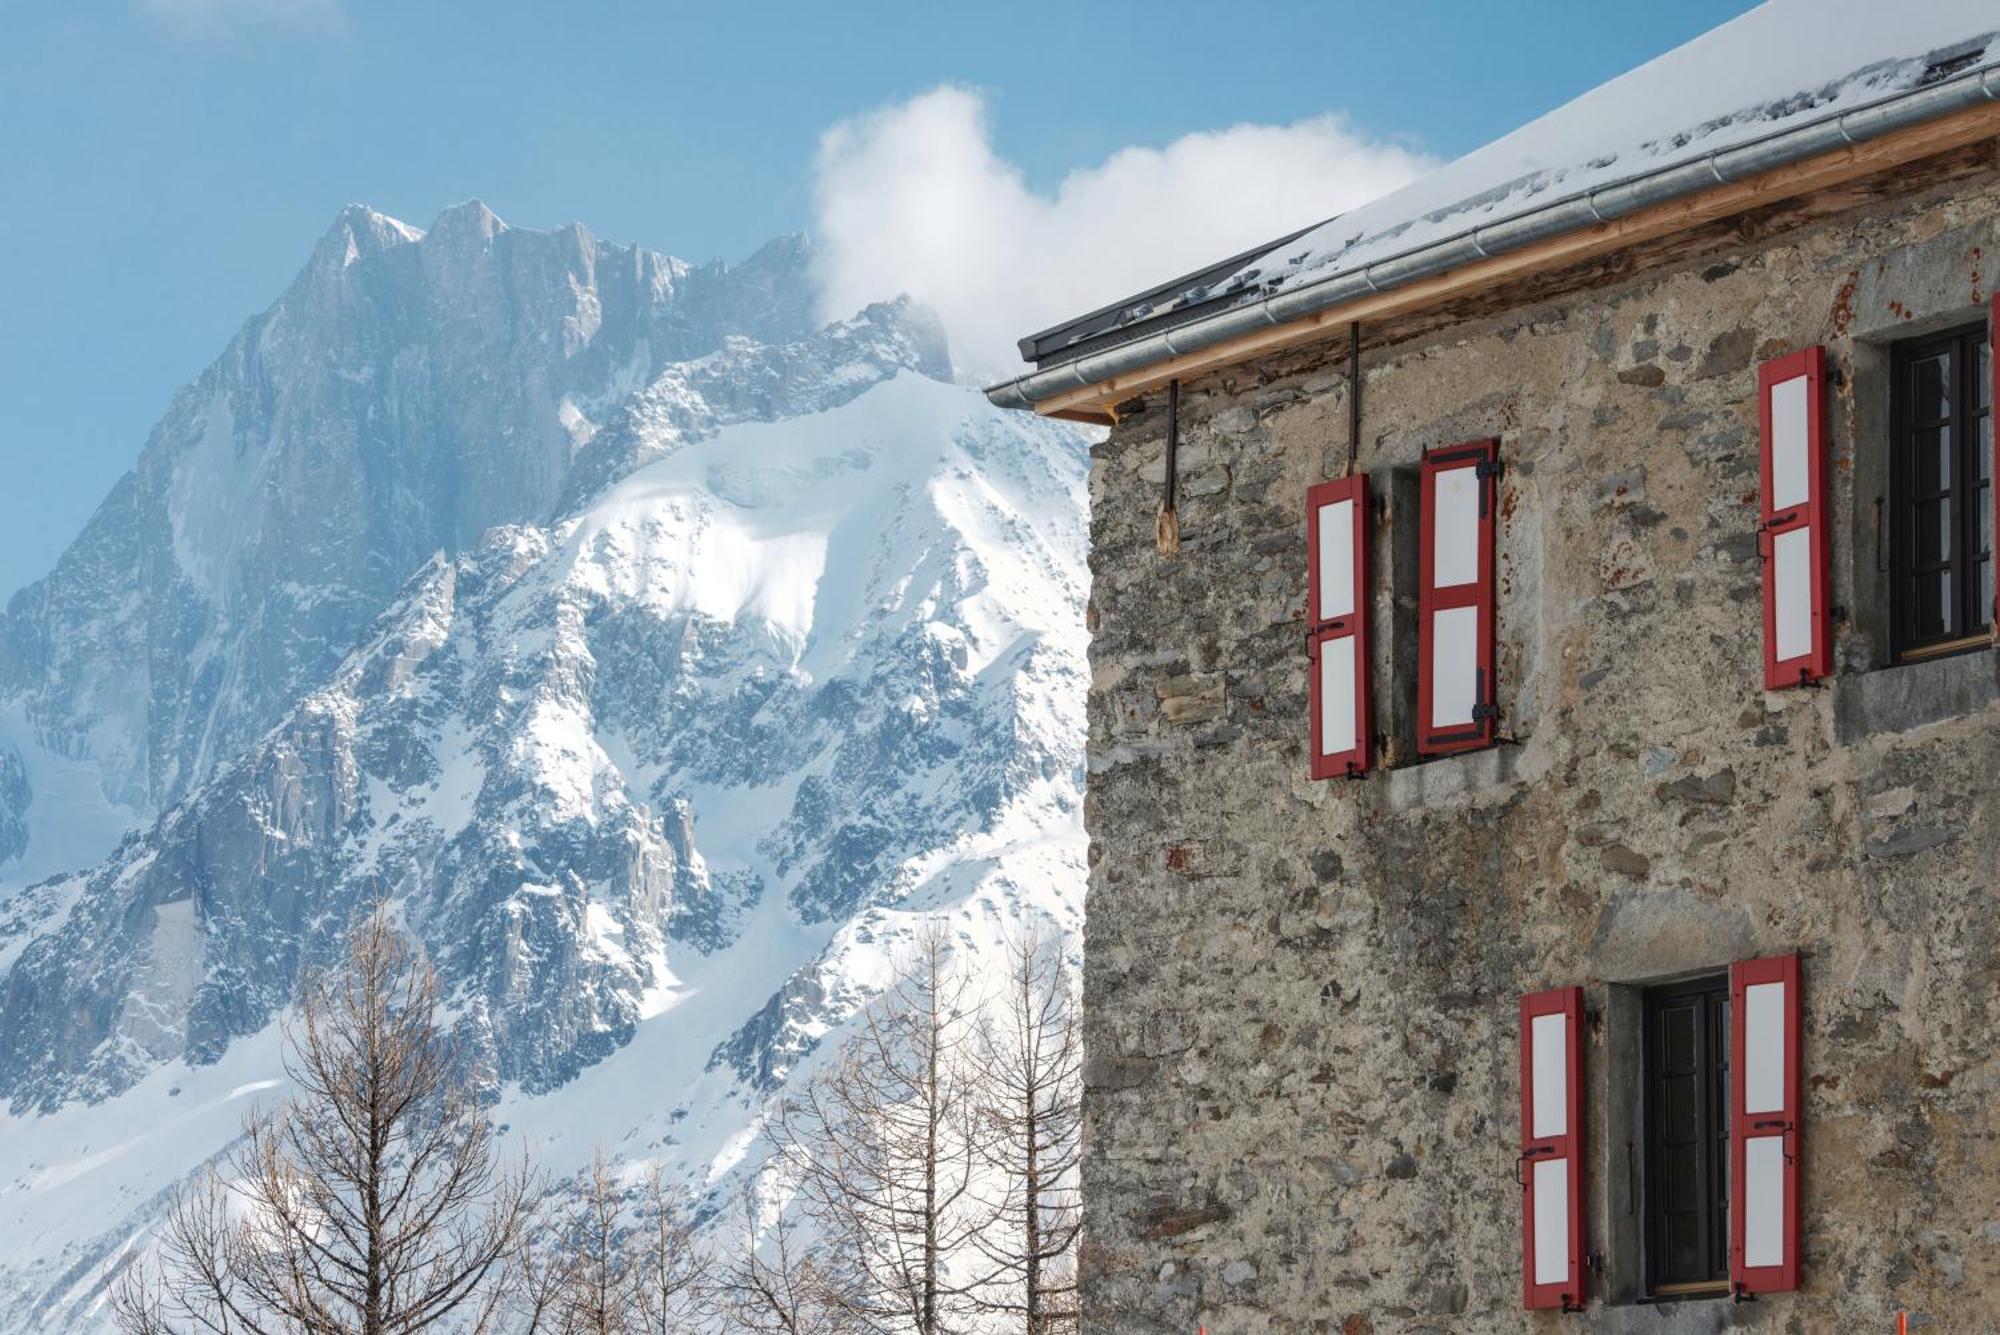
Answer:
[(407, 392), (656, 655)]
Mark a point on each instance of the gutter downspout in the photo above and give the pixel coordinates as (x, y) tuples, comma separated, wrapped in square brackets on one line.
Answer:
[(1167, 532), (1613, 200), (1353, 395)]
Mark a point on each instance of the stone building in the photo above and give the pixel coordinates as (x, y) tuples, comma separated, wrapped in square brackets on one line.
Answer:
[(1544, 812)]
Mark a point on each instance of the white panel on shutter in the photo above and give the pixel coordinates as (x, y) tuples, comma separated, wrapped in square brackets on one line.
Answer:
[(1552, 1221), (1791, 467), (1455, 533), (1454, 665), (1550, 1091), (1764, 1048), (1764, 1201), (1336, 560), (1336, 693), (1791, 554)]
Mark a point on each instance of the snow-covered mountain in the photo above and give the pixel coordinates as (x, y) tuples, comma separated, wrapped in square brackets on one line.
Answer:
[(658, 654)]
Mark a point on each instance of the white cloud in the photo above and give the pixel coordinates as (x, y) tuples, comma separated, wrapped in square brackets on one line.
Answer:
[(216, 17), (912, 198)]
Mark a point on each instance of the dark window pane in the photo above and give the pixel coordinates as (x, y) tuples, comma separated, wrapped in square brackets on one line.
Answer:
[(1677, 1117), (1982, 458), (1932, 388), (1683, 1184), (1932, 531), (1931, 461), (1684, 1248), (1931, 614), (1677, 1026), (1983, 394)]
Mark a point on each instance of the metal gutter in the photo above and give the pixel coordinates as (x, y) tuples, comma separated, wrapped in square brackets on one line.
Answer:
[(1602, 204)]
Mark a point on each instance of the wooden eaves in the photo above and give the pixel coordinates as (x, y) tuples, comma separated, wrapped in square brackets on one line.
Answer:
[(1097, 402)]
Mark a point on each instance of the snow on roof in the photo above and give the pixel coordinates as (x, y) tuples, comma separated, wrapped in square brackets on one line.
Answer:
[(1783, 63)]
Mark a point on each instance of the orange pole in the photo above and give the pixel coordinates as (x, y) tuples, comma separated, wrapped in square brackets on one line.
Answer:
[(1902, 1323)]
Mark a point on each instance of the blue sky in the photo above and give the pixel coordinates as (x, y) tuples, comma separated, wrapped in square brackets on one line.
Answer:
[(167, 164)]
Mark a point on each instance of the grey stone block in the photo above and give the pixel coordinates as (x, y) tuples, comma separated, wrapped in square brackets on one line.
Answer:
[(1898, 699), (1450, 777)]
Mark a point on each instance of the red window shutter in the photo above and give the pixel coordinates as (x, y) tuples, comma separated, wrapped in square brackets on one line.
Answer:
[(1457, 695), (1764, 1125), (1792, 534), (1551, 1162), (1337, 644)]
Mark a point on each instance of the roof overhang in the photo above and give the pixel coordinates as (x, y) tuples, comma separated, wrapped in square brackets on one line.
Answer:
[(1904, 128)]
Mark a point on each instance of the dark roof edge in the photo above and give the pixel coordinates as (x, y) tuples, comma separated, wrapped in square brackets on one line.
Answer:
[(1050, 344), (1604, 203)]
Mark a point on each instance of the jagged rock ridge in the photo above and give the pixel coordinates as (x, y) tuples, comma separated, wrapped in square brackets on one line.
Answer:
[(656, 743)]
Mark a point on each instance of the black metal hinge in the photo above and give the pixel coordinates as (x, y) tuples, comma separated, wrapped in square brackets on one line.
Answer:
[(1486, 470)]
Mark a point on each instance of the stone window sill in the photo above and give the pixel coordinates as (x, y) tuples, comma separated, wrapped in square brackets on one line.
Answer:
[(1435, 782), (1913, 695)]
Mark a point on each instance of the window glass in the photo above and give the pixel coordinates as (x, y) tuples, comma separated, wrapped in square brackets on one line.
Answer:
[(1940, 504), (1686, 1125)]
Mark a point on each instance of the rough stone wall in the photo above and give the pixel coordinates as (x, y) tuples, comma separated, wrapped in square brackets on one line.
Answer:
[(1302, 1105)]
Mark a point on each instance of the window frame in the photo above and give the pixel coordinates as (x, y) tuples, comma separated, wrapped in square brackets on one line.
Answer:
[(1712, 1122), (1970, 614)]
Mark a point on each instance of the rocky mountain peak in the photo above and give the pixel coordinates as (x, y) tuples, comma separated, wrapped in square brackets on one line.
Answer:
[(468, 220), (359, 233), (659, 653), (410, 390)]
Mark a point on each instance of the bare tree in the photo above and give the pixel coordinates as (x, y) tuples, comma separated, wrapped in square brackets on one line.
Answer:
[(670, 1292), (541, 1269), (584, 1269), (595, 1289), (880, 1144), (373, 1202), (773, 1286), (1031, 1093)]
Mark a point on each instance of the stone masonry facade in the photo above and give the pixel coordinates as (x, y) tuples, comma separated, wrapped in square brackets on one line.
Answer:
[(1303, 1084)]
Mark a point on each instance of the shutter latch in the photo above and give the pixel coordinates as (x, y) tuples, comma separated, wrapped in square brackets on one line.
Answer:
[(1480, 713)]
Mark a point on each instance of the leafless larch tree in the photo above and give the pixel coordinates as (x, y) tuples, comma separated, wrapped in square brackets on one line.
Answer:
[(373, 1202), (880, 1144), (595, 1289), (771, 1283), (671, 1285), (1031, 1085)]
